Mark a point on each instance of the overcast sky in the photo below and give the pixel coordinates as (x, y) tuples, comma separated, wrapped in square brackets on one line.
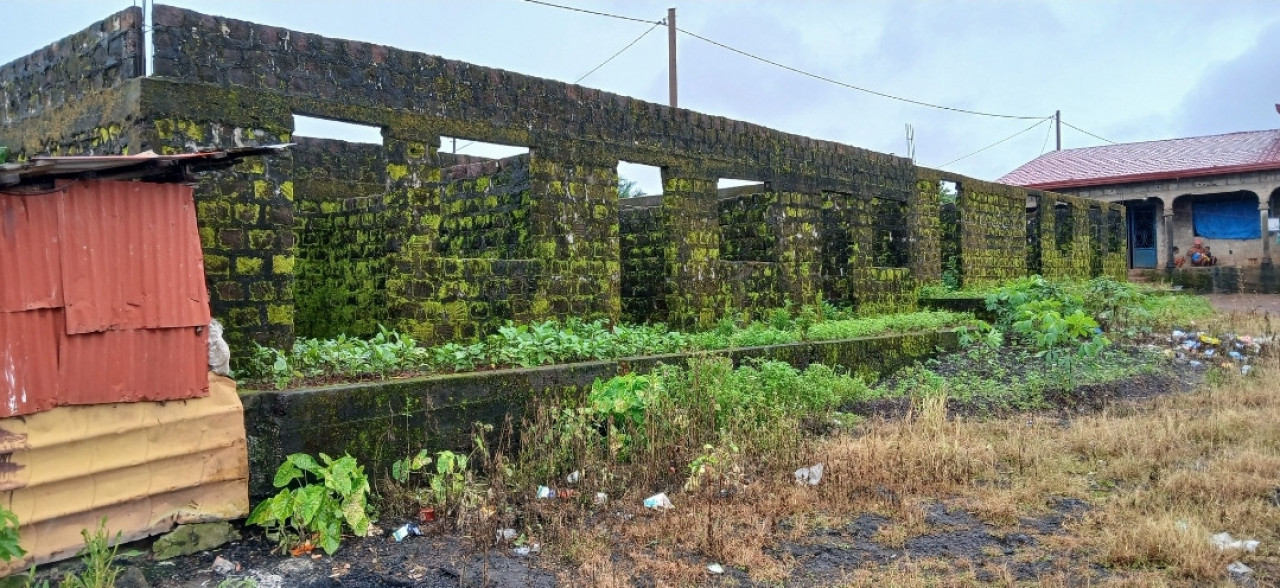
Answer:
[(1127, 71)]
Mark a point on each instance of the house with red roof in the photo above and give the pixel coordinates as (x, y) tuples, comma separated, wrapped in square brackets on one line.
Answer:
[(1220, 189)]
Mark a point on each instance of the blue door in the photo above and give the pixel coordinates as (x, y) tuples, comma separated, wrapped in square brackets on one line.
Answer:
[(1142, 235)]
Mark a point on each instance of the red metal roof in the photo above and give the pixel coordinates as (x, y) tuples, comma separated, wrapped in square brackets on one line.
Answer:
[(1150, 160), (29, 249), (131, 257)]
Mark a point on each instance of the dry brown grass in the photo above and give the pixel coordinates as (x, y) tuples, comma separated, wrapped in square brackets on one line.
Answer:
[(1161, 477)]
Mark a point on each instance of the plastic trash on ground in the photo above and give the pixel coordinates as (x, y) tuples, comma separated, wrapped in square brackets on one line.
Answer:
[(810, 475), (574, 477), (658, 501), (507, 535), (406, 530), (1239, 568), (601, 498), (715, 568), (1225, 541), (545, 492)]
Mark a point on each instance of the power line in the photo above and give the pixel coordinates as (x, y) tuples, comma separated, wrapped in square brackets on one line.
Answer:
[(1038, 123), (853, 87), (620, 51), (583, 10), (1088, 133), (1047, 133)]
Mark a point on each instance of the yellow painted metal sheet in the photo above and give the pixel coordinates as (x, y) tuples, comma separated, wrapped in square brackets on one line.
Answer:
[(146, 466)]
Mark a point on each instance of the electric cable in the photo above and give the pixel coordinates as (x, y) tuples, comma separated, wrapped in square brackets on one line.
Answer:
[(853, 87), (1088, 133), (583, 10), (1047, 133), (620, 52), (1038, 123)]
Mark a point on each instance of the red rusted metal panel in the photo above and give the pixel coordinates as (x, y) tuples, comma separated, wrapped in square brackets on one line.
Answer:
[(132, 366), (29, 361), (29, 260), (131, 257)]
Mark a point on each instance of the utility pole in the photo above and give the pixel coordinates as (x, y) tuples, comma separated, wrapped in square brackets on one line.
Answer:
[(1057, 121), (671, 53)]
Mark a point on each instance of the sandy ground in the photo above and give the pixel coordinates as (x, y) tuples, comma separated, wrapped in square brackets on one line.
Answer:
[(1254, 303)]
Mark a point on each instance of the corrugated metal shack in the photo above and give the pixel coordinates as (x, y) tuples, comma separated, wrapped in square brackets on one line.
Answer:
[(107, 407)]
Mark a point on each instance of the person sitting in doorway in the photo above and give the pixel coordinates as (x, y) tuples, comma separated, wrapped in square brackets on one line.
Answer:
[(1178, 259), (1199, 255)]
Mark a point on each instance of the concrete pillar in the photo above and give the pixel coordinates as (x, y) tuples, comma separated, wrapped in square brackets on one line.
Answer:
[(1264, 212), (1168, 235)]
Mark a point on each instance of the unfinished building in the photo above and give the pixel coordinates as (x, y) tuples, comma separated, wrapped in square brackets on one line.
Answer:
[(335, 237)]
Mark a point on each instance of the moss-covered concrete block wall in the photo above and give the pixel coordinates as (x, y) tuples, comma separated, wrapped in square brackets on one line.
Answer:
[(1079, 238), (993, 233)]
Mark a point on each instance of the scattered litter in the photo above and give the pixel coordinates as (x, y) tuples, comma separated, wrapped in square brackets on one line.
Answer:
[(1239, 568), (545, 492), (407, 530), (224, 567), (427, 514), (1195, 364), (1207, 340), (1225, 541), (1209, 352), (1245, 369), (810, 475), (601, 498), (658, 501), (507, 535), (574, 477), (527, 550), (716, 569), (1235, 355), (566, 493)]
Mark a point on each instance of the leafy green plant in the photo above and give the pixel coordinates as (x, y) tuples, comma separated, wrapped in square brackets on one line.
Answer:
[(99, 560), (315, 511), (9, 537), (402, 469)]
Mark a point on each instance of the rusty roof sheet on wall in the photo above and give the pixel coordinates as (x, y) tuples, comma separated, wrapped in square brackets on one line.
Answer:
[(131, 257), (147, 166), (29, 360), (131, 366), (29, 260)]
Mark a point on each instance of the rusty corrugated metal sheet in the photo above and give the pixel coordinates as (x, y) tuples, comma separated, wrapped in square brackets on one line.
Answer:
[(145, 466), (148, 166), (29, 265), (131, 257), (132, 366), (29, 360)]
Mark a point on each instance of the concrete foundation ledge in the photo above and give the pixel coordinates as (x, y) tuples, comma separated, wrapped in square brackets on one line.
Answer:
[(379, 422)]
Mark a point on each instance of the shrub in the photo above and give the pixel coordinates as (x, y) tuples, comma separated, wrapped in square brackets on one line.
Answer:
[(315, 513)]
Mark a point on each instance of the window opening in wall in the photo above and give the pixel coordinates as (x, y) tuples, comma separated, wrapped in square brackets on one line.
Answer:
[(458, 151), (736, 186), (949, 218), (1033, 234), (323, 128), (889, 247), (637, 179), (1062, 225), (948, 191)]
